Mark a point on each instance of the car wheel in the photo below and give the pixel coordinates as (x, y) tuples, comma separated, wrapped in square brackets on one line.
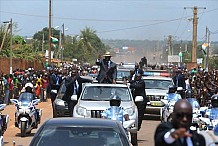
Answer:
[(54, 114), (134, 139)]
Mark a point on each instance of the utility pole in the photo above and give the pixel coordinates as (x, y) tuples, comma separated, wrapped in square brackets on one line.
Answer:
[(194, 37), (169, 47), (63, 45), (208, 48), (11, 70), (49, 34)]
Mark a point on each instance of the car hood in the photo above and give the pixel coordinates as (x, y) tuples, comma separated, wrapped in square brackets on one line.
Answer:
[(101, 105), (156, 92)]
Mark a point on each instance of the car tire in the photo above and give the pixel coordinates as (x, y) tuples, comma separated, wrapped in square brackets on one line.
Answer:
[(134, 139), (54, 114)]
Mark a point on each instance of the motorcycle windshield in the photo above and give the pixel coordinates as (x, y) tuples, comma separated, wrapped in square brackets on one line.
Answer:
[(194, 103), (172, 97), (25, 98)]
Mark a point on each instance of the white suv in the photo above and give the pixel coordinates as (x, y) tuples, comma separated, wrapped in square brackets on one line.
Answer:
[(95, 99)]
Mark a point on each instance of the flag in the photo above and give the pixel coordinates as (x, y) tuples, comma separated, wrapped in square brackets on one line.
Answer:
[(204, 48), (54, 40)]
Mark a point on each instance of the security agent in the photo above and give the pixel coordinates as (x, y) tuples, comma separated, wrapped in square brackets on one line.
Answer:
[(115, 111), (138, 89), (177, 132)]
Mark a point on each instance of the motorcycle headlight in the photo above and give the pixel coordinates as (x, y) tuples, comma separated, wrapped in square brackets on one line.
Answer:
[(21, 110), (27, 111), (130, 111), (60, 102), (81, 111)]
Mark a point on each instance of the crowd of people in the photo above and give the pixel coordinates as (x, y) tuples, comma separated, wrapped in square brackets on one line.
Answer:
[(203, 84), (11, 85)]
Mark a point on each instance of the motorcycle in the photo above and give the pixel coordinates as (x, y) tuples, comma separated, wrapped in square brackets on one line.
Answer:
[(27, 117), (127, 125), (165, 112), (3, 124)]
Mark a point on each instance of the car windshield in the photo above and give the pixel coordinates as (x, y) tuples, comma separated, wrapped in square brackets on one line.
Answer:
[(122, 73), (157, 84), (79, 136), (104, 93), (25, 98)]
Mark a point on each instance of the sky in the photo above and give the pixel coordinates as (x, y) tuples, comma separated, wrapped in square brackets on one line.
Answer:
[(115, 19)]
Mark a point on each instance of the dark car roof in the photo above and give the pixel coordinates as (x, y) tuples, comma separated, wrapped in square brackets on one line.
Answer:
[(70, 121)]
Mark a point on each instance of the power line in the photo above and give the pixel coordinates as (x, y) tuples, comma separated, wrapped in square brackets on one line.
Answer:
[(103, 20), (180, 22)]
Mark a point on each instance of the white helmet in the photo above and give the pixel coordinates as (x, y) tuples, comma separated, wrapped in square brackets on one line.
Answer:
[(29, 85)]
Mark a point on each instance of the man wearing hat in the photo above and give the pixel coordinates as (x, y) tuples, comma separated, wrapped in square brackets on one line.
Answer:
[(108, 69)]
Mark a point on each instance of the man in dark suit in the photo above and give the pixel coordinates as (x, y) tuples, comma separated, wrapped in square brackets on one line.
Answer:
[(108, 69), (55, 81), (179, 81), (177, 132), (138, 89), (73, 85)]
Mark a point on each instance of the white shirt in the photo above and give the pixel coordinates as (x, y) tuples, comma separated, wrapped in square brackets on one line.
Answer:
[(169, 139), (75, 87)]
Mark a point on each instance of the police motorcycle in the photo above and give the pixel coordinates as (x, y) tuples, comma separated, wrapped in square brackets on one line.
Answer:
[(169, 101), (27, 117), (3, 123), (116, 112), (209, 115)]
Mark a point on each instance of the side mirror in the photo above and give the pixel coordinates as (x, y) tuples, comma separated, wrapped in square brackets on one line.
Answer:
[(2, 106), (179, 88), (74, 97), (139, 99), (14, 101), (36, 101), (54, 91)]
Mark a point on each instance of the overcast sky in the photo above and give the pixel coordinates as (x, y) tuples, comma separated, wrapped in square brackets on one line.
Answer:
[(115, 19)]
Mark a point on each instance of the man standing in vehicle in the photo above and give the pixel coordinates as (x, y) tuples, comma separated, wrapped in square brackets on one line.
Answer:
[(108, 69)]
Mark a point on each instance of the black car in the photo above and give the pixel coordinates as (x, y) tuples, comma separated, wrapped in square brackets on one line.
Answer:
[(70, 131), (60, 106)]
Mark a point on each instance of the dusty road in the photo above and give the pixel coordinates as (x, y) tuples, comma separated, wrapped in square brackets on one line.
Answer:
[(145, 135)]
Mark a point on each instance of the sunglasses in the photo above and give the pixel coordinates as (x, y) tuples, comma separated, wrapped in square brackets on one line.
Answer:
[(182, 115)]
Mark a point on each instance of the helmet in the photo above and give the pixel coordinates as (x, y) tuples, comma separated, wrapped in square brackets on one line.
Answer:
[(172, 89), (189, 93), (214, 100), (115, 100), (29, 87)]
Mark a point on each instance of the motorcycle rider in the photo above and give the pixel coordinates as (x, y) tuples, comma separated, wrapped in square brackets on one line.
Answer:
[(29, 89), (115, 111), (172, 95), (212, 113)]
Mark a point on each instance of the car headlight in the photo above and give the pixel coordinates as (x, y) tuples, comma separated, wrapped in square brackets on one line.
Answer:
[(60, 102), (130, 111), (81, 111)]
